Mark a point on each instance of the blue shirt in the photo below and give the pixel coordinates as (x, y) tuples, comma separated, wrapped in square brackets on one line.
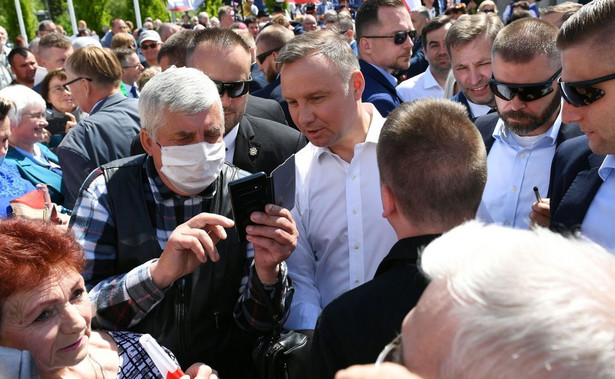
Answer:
[(600, 217)]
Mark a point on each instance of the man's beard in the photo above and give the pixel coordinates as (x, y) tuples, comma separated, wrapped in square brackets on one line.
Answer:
[(532, 122)]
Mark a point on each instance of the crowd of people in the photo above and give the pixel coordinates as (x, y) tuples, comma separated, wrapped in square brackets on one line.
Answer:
[(453, 201)]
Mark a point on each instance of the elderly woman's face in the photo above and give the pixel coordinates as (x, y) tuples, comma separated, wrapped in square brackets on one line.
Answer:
[(60, 98), (52, 321), (31, 125)]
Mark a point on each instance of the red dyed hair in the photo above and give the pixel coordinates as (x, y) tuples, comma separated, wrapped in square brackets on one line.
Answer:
[(30, 250)]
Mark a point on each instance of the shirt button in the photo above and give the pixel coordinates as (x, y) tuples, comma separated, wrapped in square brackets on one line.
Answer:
[(507, 223), (354, 211), (356, 247), (353, 177), (356, 282), (522, 155), (514, 189)]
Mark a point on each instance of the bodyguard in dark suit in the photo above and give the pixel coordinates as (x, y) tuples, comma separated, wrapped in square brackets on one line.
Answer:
[(253, 144), (521, 143), (355, 327), (583, 195), (93, 76), (384, 38), (273, 91)]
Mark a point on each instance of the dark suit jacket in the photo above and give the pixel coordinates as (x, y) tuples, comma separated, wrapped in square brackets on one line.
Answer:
[(262, 145), (355, 327), (273, 91), (265, 108), (461, 98), (574, 183), (486, 126), (258, 78), (100, 138), (378, 90)]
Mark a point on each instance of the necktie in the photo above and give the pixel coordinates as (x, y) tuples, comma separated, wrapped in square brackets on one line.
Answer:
[(133, 92)]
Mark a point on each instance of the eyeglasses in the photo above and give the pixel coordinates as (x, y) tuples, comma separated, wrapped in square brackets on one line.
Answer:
[(65, 85), (261, 57), (37, 116), (233, 89), (150, 46), (133, 66), (526, 92), (488, 11), (400, 37), (581, 94), (391, 352)]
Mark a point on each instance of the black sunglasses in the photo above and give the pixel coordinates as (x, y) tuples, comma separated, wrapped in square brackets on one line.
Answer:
[(400, 37), (526, 92), (65, 85), (580, 94), (233, 89), (261, 57)]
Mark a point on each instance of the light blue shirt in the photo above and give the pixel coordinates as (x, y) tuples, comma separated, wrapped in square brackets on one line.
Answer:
[(599, 222), (514, 166)]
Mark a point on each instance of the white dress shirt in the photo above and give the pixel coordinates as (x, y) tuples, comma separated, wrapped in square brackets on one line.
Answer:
[(342, 234), (600, 217), (419, 86), (229, 141), (514, 166)]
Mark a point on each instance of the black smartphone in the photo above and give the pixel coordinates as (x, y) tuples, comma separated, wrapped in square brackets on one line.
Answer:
[(249, 194), (57, 125)]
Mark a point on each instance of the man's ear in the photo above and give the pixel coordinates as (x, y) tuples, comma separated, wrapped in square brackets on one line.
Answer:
[(365, 47), (389, 205), (146, 141), (358, 84)]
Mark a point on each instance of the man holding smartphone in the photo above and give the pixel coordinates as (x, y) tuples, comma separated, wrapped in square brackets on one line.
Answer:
[(160, 251)]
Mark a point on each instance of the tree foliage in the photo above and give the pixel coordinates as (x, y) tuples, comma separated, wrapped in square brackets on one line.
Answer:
[(8, 18)]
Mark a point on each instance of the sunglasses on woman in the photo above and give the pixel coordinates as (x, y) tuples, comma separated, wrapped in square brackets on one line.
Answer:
[(233, 89), (581, 94), (527, 92)]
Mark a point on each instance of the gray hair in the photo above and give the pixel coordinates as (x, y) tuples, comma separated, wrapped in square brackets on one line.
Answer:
[(325, 43), (529, 304), (23, 98), (182, 90), (424, 12)]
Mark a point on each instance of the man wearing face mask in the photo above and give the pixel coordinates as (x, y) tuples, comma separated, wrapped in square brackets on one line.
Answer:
[(160, 253)]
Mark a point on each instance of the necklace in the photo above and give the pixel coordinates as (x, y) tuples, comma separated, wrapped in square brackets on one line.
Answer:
[(102, 371)]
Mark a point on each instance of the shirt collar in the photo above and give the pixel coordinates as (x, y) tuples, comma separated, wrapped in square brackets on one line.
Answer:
[(388, 76), (430, 81), (607, 167), (502, 133)]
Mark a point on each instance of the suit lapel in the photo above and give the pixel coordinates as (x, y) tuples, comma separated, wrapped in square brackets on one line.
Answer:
[(247, 151)]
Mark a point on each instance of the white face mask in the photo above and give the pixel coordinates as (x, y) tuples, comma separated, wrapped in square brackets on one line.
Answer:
[(192, 168)]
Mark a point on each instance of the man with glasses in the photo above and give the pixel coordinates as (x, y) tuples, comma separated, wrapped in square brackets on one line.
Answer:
[(253, 144), (583, 193), (268, 44), (522, 138), (384, 35), (160, 249), (131, 68), (93, 78), (354, 327)]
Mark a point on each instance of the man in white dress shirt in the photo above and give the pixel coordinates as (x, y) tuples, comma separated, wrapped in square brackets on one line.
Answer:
[(431, 82), (343, 236), (521, 142)]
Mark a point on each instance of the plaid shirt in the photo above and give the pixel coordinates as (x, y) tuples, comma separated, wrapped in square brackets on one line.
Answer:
[(130, 296)]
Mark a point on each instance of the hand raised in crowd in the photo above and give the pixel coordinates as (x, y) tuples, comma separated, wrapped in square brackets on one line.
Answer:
[(274, 239), (190, 244), (385, 370), (70, 123), (541, 213)]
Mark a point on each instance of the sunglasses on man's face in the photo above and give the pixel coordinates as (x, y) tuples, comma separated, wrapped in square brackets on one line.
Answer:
[(527, 92), (233, 89), (581, 94), (261, 57), (399, 37)]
